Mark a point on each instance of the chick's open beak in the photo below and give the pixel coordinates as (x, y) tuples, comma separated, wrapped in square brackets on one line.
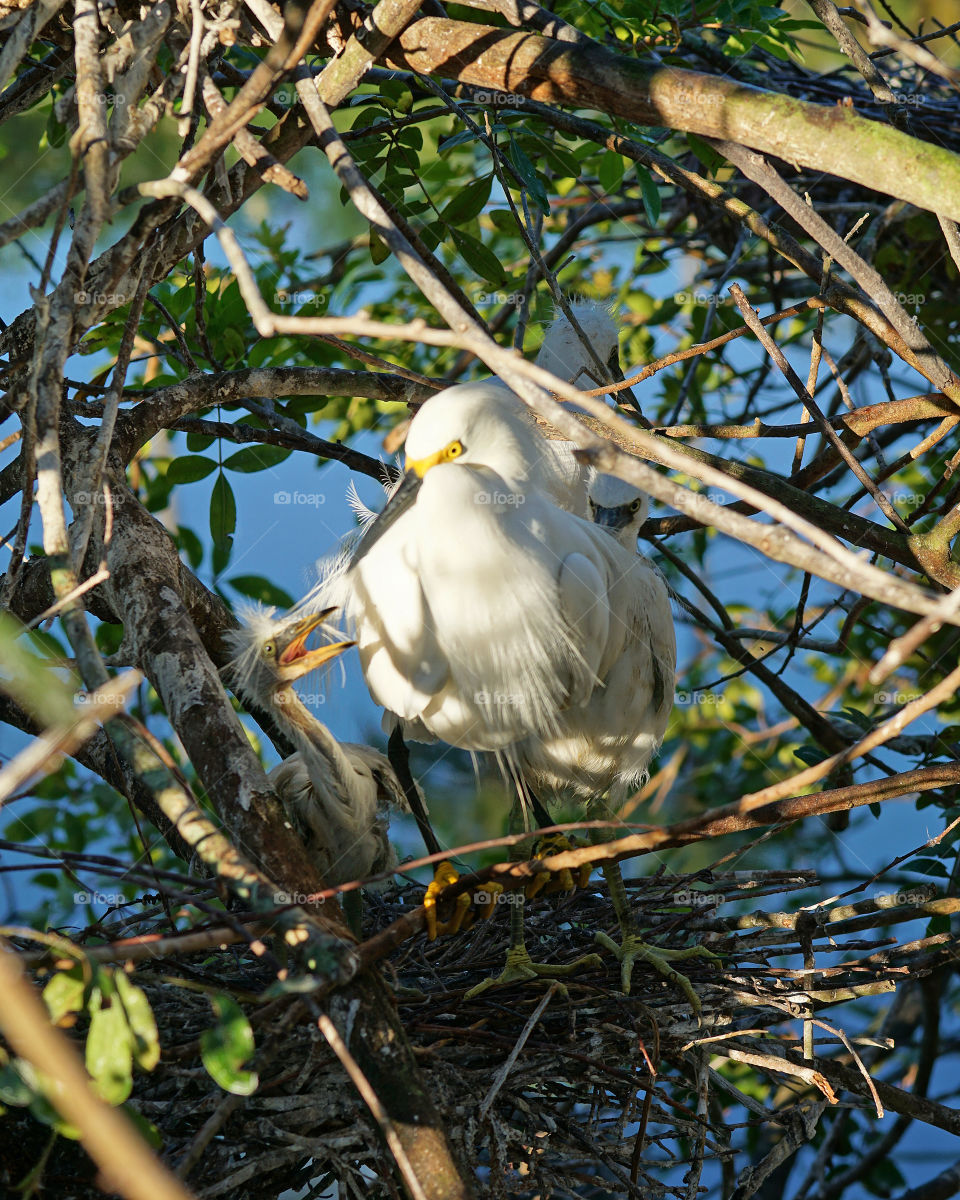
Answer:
[(297, 659)]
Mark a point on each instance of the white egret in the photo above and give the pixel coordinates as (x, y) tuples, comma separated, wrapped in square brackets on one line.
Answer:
[(502, 622), (335, 794)]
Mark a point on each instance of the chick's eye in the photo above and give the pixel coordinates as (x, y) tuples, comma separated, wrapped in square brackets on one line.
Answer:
[(635, 506), (269, 649)]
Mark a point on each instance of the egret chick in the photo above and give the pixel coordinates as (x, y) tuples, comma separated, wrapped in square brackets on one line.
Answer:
[(617, 506), (334, 794)]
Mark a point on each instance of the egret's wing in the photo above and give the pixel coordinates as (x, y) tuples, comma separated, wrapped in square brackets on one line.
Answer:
[(583, 605)]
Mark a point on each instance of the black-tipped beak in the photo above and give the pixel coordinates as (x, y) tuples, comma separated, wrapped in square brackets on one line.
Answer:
[(613, 519), (395, 507)]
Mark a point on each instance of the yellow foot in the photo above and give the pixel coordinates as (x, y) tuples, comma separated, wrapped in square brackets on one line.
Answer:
[(635, 949), (549, 882), (520, 968), (485, 895)]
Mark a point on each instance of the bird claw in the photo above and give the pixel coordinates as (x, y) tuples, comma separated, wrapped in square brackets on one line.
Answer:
[(445, 874), (520, 968), (550, 882), (635, 949), (463, 915)]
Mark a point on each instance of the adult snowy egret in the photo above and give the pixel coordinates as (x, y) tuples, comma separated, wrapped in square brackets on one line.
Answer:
[(336, 794), (500, 621)]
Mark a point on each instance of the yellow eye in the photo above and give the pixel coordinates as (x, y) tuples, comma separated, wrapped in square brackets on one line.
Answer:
[(269, 649), (454, 450), (635, 506)]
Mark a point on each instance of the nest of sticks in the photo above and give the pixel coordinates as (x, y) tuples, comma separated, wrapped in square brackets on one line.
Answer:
[(546, 1091)]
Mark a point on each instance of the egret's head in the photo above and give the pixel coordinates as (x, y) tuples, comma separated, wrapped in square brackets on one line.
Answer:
[(471, 425), (271, 652), (620, 507), (564, 354)]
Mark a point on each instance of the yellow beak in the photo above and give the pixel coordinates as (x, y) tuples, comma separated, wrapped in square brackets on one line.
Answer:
[(297, 659)]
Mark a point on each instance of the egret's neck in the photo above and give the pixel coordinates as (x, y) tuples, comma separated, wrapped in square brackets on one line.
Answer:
[(317, 745)]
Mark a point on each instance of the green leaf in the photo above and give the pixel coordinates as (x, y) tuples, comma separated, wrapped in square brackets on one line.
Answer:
[(220, 555), (261, 589), (189, 469), (256, 458), (928, 866), (109, 1054), (706, 154), (64, 993), (199, 441), (379, 250), (610, 171), (478, 257), (527, 172), (468, 202), (223, 510), (190, 544), (144, 1039), (651, 195), (227, 1046)]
